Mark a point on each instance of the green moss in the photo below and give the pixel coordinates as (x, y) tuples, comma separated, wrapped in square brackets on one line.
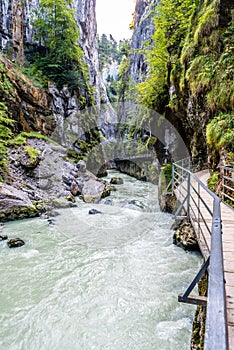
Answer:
[(220, 132), (207, 59), (167, 172), (5, 84), (32, 152), (206, 23), (21, 139)]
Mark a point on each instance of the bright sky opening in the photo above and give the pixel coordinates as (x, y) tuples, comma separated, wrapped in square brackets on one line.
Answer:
[(114, 17)]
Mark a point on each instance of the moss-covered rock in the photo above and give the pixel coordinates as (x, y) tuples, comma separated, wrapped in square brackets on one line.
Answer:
[(15, 204), (116, 181), (167, 201)]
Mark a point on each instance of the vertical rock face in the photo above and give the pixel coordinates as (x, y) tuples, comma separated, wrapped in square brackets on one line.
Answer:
[(18, 31), (5, 23), (86, 20), (143, 30), (16, 24), (17, 34)]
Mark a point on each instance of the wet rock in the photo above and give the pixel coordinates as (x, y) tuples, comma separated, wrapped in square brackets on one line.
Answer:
[(108, 202), (15, 204), (44, 216), (116, 181), (106, 192), (185, 237), (15, 242), (92, 191), (51, 222), (137, 203), (94, 212), (71, 198), (3, 237)]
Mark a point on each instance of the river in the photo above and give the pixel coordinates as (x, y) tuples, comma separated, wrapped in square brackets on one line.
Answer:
[(104, 282)]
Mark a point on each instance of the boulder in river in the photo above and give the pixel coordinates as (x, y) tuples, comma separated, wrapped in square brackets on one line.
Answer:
[(116, 181), (3, 237), (15, 243), (185, 237), (92, 191), (94, 212), (15, 204)]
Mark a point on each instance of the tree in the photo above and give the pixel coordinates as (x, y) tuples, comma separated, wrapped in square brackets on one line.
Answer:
[(57, 31)]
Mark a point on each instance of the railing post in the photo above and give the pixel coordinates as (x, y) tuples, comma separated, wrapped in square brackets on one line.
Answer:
[(173, 178), (182, 173), (216, 322), (188, 195)]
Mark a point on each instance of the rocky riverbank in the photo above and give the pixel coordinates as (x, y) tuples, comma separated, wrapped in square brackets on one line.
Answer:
[(40, 177)]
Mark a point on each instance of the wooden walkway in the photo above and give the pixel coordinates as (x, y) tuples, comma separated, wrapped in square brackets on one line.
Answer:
[(227, 215), (203, 234)]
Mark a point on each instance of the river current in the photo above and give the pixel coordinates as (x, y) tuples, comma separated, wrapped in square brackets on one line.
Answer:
[(105, 282)]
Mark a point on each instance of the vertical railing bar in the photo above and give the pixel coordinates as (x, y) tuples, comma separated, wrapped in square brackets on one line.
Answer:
[(188, 195), (173, 178)]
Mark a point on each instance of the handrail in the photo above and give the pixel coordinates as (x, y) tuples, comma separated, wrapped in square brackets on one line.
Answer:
[(188, 188), (227, 183)]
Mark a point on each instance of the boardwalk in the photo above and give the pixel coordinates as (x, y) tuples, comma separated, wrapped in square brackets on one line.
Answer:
[(228, 252), (203, 233)]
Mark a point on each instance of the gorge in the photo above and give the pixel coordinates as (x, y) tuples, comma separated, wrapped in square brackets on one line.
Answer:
[(72, 107)]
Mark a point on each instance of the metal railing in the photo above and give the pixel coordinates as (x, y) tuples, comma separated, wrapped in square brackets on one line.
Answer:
[(202, 207), (227, 184)]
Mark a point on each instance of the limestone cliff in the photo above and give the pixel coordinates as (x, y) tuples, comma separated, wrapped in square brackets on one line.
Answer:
[(143, 30)]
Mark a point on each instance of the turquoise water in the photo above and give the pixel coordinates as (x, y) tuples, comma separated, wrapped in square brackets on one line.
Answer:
[(103, 282)]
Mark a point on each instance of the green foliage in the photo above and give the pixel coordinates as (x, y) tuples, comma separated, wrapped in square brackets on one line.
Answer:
[(207, 21), (109, 50), (220, 132), (172, 18), (21, 138), (208, 58), (32, 152), (6, 124), (167, 172), (5, 85), (213, 180), (124, 82), (62, 59)]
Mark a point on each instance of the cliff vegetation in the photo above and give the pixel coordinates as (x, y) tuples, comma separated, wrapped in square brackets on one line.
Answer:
[(189, 74)]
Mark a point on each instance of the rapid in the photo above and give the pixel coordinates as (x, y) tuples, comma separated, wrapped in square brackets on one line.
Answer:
[(105, 282)]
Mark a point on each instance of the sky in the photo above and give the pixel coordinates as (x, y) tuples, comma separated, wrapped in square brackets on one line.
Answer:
[(114, 17)]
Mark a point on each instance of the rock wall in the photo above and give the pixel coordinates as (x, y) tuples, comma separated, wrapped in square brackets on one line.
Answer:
[(143, 30), (17, 37), (28, 105)]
